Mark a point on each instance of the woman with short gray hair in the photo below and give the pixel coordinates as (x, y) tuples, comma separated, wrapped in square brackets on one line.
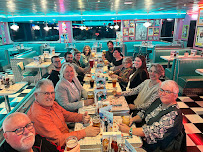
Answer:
[(123, 74), (69, 90)]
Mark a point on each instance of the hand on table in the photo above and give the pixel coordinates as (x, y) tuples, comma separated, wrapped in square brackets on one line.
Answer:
[(86, 118), (88, 102), (124, 128), (92, 131), (131, 121), (118, 94), (114, 76), (131, 106)]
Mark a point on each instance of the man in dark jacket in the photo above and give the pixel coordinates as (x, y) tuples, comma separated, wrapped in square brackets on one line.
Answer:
[(19, 134), (54, 76)]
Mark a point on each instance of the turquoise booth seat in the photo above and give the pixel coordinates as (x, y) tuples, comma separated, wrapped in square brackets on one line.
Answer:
[(165, 52), (188, 80), (169, 72)]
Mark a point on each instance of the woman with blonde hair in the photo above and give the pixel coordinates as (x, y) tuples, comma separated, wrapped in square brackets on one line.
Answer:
[(85, 56), (69, 91)]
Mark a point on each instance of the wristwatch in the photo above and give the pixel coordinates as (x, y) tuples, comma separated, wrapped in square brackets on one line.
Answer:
[(130, 131)]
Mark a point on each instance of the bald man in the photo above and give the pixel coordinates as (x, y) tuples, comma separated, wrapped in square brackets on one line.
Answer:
[(19, 133)]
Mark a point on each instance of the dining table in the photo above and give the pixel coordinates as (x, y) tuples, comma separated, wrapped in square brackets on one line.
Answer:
[(15, 49), (199, 71), (95, 143), (119, 108), (12, 89), (40, 66), (171, 58)]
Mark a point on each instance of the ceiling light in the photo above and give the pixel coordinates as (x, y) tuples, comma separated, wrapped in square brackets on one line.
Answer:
[(147, 24), (46, 28), (56, 28), (14, 27), (169, 19), (83, 27), (36, 27), (128, 3), (116, 27)]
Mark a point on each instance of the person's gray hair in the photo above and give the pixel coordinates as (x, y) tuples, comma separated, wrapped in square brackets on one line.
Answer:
[(128, 60), (16, 114), (172, 84), (63, 68), (41, 83), (159, 68)]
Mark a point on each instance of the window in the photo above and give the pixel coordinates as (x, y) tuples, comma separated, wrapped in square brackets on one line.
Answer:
[(34, 32), (94, 30), (167, 30)]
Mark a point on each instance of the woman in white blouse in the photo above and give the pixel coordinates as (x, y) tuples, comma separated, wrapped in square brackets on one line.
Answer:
[(69, 90)]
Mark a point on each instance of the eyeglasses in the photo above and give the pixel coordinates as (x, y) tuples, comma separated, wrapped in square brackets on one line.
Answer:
[(21, 130), (47, 93), (57, 61), (166, 92)]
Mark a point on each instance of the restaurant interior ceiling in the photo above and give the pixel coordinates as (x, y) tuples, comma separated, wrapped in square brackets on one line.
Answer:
[(20, 10)]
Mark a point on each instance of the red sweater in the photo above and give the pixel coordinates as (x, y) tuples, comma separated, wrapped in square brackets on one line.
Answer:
[(50, 122)]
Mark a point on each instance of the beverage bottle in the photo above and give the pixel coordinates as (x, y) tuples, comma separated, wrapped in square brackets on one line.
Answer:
[(114, 145)]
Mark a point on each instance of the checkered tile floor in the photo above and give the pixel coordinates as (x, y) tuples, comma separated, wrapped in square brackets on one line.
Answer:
[(192, 109), (14, 100)]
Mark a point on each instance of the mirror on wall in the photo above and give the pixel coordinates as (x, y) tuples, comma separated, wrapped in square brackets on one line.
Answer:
[(35, 31)]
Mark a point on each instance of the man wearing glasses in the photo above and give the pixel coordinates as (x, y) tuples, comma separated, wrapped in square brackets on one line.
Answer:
[(163, 129), (19, 133), (50, 118)]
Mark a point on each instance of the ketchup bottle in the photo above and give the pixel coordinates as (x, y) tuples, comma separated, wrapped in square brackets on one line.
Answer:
[(114, 144)]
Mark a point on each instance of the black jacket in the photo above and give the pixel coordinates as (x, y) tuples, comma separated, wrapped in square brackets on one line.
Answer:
[(41, 145)]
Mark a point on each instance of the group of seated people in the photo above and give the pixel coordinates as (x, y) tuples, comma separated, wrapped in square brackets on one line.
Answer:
[(152, 105)]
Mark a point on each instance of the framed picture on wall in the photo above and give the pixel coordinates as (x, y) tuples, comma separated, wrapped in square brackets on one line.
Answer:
[(150, 31), (152, 22), (156, 31), (157, 23), (200, 17), (199, 36), (141, 32), (150, 38), (125, 39), (185, 31), (131, 38), (156, 38), (132, 23), (125, 32), (126, 23), (131, 31)]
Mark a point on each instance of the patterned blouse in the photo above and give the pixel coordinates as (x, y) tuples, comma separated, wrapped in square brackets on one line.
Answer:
[(123, 74), (160, 122)]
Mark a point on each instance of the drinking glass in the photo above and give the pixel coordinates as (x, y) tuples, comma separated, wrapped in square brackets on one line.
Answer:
[(71, 142), (114, 80), (96, 121), (126, 120)]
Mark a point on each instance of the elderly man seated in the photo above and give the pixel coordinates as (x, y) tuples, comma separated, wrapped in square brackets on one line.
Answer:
[(19, 134), (50, 118), (164, 130)]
